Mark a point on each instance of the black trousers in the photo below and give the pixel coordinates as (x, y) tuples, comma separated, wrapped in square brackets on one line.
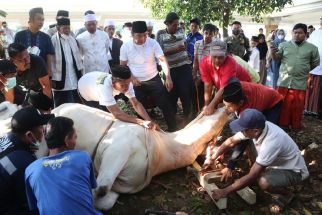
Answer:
[(182, 88), (67, 96), (155, 89)]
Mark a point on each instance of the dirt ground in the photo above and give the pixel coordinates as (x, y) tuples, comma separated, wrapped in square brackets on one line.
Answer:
[(179, 190)]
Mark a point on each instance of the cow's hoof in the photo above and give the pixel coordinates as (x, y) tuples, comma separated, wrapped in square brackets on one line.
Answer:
[(101, 191), (106, 202)]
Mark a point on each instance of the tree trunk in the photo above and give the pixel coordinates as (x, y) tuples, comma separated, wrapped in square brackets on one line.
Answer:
[(226, 16)]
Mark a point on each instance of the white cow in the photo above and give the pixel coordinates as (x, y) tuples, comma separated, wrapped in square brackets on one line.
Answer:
[(126, 156)]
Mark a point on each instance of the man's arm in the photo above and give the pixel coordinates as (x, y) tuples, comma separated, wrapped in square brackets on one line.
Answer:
[(138, 107), (208, 93), (175, 50), (165, 67), (315, 59), (229, 143), (45, 83), (254, 173), (49, 58), (210, 109)]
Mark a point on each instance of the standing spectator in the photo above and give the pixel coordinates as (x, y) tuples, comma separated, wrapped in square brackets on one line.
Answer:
[(150, 26), (8, 33), (127, 32), (46, 185), (115, 43), (53, 28), (172, 42), (16, 153), (94, 45), (36, 41), (193, 36), (310, 30), (254, 56), (140, 55), (216, 70), (239, 43), (260, 31), (201, 50), (182, 25), (313, 98), (31, 74), (67, 65), (298, 58), (274, 65), (262, 47)]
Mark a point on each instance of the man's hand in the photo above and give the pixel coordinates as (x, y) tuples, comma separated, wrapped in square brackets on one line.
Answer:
[(136, 82), (208, 110), (181, 48), (3, 81), (219, 193), (168, 83), (310, 82), (151, 125), (226, 174)]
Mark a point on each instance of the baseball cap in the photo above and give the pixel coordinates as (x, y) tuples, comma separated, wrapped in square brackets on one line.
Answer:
[(248, 119), (28, 118), (218, 48)]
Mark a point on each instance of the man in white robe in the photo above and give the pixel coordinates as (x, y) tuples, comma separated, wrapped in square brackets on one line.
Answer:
[(94, 46), (313, 101)]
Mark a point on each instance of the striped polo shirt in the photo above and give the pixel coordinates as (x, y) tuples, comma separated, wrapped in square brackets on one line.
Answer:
[(170, 41)]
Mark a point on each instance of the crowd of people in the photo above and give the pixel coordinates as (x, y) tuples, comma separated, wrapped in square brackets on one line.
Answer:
[(93, 66)]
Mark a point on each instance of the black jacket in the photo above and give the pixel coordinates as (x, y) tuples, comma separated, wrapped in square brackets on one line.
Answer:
[(115, 52)]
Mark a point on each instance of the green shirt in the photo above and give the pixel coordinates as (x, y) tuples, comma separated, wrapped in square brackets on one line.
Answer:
[(296, 63), (252, 72), (238, 45)]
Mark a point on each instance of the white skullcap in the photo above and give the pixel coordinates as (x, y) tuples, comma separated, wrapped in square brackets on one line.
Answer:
[(90, 17), (109, 23), (149, 24)]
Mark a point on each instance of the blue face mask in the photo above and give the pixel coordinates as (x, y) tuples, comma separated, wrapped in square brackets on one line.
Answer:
[(11, 83)]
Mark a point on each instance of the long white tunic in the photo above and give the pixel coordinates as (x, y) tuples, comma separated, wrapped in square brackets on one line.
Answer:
[(94, 49), (316, 39)]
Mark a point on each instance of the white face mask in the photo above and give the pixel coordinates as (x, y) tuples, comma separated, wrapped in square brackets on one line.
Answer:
[(280, 37)]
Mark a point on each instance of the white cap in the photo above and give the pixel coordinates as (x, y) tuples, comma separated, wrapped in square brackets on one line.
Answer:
[(90, 17), (149, 24), (109, 23)]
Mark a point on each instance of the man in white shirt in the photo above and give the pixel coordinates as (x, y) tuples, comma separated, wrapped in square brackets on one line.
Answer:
[(279, 162), (140, 55), (67, 65), (94, 46), (254, 58), (100, 88), (8, 33)]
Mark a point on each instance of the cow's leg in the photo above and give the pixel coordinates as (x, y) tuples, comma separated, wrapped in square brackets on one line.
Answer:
[(113, 160), (106, 202)]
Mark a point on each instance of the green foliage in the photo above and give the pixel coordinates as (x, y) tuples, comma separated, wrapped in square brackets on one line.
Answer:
[(214, 11), (3, 13)]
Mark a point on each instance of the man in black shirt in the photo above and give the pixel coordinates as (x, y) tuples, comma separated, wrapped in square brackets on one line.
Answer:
[(16, 153), (31, 73)]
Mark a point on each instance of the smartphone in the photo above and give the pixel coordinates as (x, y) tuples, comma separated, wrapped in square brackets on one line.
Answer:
[(273, 44)]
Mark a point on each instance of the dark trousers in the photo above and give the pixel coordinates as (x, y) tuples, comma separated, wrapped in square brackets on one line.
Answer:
[(182, 88), (273, 114), (67, 96), (155, 88), (198, 96)]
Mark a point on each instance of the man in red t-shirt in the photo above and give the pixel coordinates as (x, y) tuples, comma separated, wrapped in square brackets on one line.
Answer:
[(216, 70), (239, 95)]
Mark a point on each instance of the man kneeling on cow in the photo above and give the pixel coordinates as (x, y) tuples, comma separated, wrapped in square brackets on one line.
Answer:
[(279, 162), (99, 89)]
